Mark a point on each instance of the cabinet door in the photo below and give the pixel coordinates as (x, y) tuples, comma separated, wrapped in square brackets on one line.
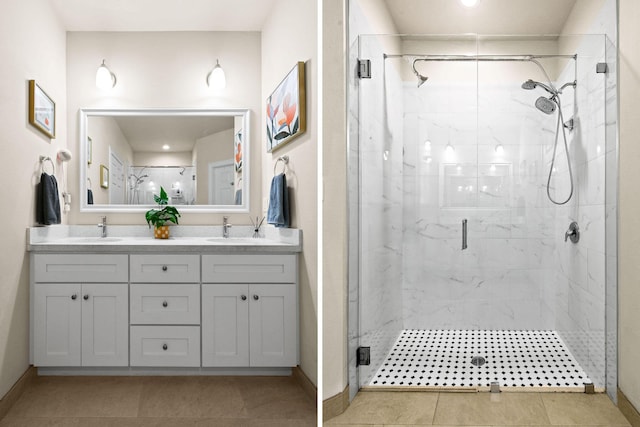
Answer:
[(273, 325), (57, 324), (225, 325), (105, 325)]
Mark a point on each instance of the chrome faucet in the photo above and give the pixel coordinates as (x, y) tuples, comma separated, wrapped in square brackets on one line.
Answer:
[(103, 225), (573, 233), (225, 227)]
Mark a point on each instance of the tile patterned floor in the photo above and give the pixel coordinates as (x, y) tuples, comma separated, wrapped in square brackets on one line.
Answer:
[(419, 408), (162, 401), (511, 358)]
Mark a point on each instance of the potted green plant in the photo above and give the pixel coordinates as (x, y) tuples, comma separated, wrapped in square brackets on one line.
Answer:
[(158, 217)]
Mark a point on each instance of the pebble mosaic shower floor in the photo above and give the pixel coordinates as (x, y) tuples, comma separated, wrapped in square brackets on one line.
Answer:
[(512, 358)]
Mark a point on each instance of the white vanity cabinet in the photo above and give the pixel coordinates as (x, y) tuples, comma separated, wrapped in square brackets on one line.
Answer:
[(80, 306), (165, 310), (249, 311)]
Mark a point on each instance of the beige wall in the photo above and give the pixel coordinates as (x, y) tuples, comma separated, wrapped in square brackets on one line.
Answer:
[(165, 70), (334, 208), (32, 46), (105, 133), (629, 206), (289, 35)]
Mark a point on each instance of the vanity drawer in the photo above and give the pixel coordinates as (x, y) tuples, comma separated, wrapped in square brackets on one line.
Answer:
[(249, 268), (81, 268), (165, 304), (165, 268), (165, 346)]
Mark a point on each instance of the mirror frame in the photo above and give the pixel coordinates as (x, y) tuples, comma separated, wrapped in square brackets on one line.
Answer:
[(85, 113)]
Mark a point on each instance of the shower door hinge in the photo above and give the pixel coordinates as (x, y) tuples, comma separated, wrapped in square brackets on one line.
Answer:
[(363, 356), (602, 68), (364, 68)]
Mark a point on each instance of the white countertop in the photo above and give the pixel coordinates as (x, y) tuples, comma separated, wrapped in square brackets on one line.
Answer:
[(184, 238)]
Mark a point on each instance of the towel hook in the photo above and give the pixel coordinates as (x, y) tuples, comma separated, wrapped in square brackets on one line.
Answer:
[(44, 159), (89, 181), (284, 160)]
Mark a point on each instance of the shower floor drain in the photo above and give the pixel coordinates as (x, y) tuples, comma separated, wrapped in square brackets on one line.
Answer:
[(478, 361)]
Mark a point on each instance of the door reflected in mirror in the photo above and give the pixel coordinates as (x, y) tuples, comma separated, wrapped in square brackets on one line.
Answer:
[(199, 156)]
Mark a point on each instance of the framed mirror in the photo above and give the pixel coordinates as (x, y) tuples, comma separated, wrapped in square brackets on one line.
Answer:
[(199, 156)]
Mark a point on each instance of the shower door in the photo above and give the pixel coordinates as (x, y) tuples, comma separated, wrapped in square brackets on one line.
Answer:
[(468, 145)]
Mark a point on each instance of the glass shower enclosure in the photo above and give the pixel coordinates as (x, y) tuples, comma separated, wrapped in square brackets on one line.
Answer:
[(470, 157)]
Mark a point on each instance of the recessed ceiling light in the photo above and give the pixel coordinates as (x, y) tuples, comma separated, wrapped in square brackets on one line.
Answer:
[(469, 3), (165, 147)]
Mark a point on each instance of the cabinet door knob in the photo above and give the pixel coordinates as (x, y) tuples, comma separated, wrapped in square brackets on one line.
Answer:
[(243, 297), (164, 346), (86, 297), (74, 297), (165, 304), (164, 268), (256, 297)]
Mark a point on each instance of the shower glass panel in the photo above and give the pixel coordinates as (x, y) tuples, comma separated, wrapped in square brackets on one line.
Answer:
[(447, 130)]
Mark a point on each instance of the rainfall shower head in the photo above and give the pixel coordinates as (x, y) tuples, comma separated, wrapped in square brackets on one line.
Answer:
[(546, 105), (532, 84), (421, 78)]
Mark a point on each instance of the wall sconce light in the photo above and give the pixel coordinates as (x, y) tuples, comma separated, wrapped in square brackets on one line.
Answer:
[(449, 148), (216, 78), (105, 79), (469, 3), (499, 149)]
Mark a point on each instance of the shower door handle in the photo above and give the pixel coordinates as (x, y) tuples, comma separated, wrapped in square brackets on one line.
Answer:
[(464, 234)]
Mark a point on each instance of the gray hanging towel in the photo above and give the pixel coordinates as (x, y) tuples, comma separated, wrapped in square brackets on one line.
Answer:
[(47, 200), (89, 197), (278, 212)]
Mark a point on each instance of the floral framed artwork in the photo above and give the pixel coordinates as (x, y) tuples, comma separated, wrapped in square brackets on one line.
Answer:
[(237, 150), (286, 109), (42, 110)]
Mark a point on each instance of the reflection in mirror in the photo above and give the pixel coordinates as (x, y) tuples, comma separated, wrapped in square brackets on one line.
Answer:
[(200, 157)]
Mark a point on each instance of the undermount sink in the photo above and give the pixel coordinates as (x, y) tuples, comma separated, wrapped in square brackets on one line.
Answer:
[(92, 239), (233, 240)]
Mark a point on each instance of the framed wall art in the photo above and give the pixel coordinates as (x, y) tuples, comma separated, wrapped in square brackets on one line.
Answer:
[(42, 110), (286, 109), (104, 176)]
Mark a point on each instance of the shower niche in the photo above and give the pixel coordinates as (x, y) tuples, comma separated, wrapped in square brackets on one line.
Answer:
[(454, 128)]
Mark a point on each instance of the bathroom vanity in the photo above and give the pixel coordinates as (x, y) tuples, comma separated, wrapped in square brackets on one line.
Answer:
[(131, 304)]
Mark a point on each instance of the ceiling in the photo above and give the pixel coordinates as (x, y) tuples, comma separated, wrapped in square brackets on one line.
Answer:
[(163, 15), (148, 134), (487, 17), (410, 16)]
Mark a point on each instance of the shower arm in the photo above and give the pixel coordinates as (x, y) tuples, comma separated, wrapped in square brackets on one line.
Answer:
[(520, 58)]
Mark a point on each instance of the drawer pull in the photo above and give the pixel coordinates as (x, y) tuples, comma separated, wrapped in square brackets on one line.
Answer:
[(165, 304), (74, 297), (164, 346), (243, 297), (164, 268), (86, 297), (256, 297)]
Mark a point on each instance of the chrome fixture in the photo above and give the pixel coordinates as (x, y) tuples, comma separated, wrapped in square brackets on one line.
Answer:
[(225, 227), (464, 234), (105, 79), (103, 226), (572, 233), (216, 78), (549, 106)]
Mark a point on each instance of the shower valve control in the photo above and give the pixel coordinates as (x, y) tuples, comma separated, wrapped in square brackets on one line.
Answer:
[(572, 233)]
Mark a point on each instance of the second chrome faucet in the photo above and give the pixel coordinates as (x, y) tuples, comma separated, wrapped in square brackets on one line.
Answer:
[(225, 227)]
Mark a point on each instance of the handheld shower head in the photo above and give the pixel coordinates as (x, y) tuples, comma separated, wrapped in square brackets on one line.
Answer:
[(546, 105), (529, 85)]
